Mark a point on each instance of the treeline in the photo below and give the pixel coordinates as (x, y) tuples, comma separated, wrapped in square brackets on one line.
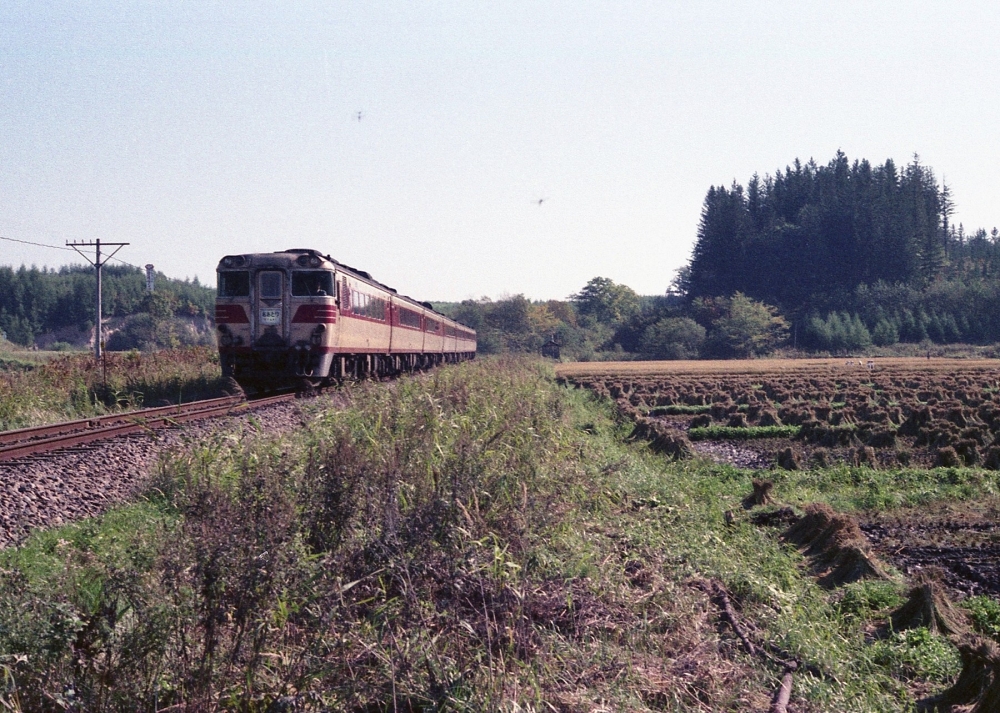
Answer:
[(606, 320), (36, 301), (852, 254)]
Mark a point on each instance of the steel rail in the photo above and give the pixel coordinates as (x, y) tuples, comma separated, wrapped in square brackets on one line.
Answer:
[(43, 439)]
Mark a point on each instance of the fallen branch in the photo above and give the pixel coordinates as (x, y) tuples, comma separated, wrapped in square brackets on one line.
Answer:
[(784, 692), (727, 607), (767, 651)]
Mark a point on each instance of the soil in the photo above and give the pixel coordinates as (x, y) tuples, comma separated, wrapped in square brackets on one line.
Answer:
[(887, 413), (761, 453), (742, 454), (962, 539)]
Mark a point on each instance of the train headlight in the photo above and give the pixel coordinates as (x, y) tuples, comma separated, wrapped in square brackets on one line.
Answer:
[(234, 261)]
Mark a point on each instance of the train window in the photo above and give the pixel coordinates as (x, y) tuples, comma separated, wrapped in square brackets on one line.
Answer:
[(234, 284), (433, 325), (270, 285), (409, 318), (312, 283), (369, 306)]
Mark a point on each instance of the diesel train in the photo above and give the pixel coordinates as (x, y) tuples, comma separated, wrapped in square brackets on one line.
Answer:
[(298, 317)]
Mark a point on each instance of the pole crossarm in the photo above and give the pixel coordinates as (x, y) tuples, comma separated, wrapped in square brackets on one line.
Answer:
[(76, 245), (98, 264)]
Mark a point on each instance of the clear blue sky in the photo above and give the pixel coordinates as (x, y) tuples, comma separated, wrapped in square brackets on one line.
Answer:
[(197, 129)]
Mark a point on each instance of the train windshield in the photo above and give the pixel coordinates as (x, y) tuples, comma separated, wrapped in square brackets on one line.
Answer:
[(312, 283), (270, 285), (234, 284)]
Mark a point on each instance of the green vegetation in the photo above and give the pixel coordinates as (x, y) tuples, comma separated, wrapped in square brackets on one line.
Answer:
[(33, 302), (36, 390), (852, 253), (917, 654), (985, 613), (841, 258), (741, 433), (678, 410), (475, 538), (583, 326)]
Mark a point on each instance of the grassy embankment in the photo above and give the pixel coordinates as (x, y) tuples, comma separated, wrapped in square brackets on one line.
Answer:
[(35, 391), (475, 538)]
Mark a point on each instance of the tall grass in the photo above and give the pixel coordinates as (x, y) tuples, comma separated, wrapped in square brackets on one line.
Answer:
[(78, 386), (471, 539), (373, 564)]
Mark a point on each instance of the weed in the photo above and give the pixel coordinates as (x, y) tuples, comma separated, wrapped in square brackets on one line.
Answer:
[(918, 654), (476, 538), (985, 614), (870, 597), (679, 410), (77, 386), (729, 433)]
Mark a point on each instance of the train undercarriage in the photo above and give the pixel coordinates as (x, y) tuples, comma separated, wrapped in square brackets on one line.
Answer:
[(263, 370)]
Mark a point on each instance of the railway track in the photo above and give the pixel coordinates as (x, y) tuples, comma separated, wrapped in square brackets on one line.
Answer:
[(26, 442)]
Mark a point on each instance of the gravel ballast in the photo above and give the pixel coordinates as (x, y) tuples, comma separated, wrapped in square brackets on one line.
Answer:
[(52, 489)]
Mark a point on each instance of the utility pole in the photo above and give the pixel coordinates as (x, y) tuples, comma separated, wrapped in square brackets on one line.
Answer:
[(98, 264)]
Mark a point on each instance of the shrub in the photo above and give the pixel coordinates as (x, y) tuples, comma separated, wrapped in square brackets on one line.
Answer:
[(673, 338)]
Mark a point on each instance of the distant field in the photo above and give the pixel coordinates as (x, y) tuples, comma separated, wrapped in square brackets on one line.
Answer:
[(764, 366), (901, 411)]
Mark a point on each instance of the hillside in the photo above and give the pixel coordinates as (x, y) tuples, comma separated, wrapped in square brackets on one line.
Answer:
[(55, 308)]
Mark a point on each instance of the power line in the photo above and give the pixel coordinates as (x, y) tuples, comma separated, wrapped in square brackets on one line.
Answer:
[(59, 247), (118, 259), (41, 245)]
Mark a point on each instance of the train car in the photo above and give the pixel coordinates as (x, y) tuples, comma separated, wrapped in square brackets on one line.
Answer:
[(298, 316)]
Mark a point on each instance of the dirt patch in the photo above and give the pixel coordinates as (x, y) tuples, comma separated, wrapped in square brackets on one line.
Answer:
[(962, 540), (736, 453)]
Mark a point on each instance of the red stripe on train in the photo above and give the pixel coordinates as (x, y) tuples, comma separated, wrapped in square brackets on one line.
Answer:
[(230, 314), (312, 314)]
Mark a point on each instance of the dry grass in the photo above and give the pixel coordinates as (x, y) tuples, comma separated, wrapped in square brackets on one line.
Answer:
[(77, 386), (471, 539), (767, 366)]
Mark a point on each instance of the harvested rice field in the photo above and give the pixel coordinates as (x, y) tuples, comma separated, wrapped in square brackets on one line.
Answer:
[(907, 412), (875, 470)]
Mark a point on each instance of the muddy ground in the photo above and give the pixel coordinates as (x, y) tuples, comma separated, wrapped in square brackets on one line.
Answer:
[(962, 539)]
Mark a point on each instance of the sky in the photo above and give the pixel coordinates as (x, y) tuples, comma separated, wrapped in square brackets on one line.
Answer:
[(466, 149)]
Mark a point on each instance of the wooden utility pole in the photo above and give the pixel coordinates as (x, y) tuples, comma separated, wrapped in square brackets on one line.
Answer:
[(98, 264)]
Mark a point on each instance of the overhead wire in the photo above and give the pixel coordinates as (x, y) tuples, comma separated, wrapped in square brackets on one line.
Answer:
[(60, 247), (41, 245)]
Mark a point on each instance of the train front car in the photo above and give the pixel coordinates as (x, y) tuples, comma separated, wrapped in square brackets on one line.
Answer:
[(275, 315), (299, 317)]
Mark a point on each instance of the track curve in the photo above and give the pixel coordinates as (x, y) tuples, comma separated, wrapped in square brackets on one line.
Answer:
[(44, 439)]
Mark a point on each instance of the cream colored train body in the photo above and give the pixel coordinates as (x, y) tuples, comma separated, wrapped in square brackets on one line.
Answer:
[(298, 315)]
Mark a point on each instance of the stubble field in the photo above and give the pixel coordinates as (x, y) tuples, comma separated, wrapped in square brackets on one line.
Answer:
[(917, 439)]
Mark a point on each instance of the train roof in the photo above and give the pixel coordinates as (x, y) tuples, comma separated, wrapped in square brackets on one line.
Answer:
[(359, 274)]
